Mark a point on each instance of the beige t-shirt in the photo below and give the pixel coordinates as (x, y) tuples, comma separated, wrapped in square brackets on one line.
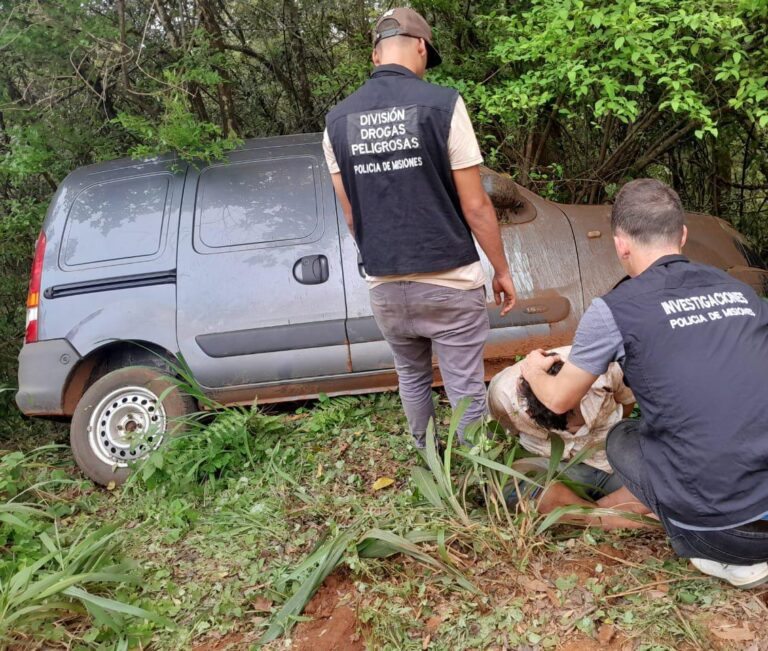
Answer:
[(463, 152), (602, 407)]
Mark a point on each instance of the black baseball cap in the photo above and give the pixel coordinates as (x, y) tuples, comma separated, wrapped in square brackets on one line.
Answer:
[(402, 21)]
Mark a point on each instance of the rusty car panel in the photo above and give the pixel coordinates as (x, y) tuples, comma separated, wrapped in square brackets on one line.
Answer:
[(561, 256)]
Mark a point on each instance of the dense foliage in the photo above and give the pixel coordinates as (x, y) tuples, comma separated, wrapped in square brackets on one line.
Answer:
[(572, 97)]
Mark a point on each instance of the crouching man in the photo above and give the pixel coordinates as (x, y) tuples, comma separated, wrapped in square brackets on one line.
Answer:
[(693, 344), (514, 405)]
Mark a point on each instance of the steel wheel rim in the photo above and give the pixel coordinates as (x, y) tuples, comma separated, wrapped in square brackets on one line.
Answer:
[(126, 425)]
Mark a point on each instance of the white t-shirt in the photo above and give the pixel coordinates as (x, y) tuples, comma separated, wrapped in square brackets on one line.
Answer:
[(463, 152), (602, 407)]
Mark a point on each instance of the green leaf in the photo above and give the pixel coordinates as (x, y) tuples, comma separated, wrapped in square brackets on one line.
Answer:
[(115, 606), (554, 517), (686, 597), (440, 472), (405, 546), (495, 465), (427, 487), (328, 559), (557, 448), (14, 521)]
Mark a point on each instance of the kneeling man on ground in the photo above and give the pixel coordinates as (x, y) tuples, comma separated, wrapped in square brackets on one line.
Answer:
[(514, 405), (693, 344)]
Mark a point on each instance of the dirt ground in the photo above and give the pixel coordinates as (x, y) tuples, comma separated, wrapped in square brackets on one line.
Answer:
[(334, 623)]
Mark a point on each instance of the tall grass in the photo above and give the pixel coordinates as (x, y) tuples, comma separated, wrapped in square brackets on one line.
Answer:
[(462, 490), (206, 446), (456, 493), (373, 543), (47, 573), (58, 582)]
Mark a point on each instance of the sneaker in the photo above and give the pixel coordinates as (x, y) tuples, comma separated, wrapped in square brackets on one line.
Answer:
[(742, 576)]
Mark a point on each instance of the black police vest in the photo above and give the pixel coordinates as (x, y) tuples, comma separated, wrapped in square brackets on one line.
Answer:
[(390, 139), (696, 343)]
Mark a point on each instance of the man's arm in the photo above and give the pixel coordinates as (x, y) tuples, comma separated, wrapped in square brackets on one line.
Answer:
[(596, 344), (338, 184), (341, 193), (559, 393), (481, 217)]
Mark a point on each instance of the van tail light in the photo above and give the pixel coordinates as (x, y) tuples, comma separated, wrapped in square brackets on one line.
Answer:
[(33, 296)]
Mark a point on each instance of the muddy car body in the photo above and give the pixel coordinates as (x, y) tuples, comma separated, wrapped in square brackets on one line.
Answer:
[(246, 270)]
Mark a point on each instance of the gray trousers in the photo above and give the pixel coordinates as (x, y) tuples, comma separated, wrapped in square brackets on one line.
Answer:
[(419, 318)]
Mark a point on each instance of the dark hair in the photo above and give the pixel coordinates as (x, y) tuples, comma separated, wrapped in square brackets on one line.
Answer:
[(541, 415), (648, 211)]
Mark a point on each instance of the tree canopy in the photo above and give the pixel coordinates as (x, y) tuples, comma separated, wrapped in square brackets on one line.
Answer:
[(570, 97)]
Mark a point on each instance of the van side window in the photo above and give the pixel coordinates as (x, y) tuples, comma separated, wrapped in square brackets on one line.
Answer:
[(257, 202), (116, 220)]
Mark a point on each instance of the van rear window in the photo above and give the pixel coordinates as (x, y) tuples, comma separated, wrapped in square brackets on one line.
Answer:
[(257, 202), (116, 220)]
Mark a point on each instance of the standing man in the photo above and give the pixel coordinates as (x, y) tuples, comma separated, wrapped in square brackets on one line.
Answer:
[(405, 166), (693, 343)]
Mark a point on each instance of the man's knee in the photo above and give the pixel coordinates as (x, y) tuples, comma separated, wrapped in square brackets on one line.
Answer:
[(415, 387), (622, 445)]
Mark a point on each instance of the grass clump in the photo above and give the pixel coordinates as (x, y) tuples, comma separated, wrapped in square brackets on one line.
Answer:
[(210, 449), (51, 572)]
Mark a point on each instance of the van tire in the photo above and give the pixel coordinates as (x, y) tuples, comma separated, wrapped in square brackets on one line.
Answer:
[(116, 406)]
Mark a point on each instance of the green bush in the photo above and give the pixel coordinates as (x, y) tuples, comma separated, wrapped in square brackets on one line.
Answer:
[(210, 448)]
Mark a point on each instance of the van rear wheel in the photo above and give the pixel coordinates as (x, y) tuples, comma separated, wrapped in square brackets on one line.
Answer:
[(122, 417)]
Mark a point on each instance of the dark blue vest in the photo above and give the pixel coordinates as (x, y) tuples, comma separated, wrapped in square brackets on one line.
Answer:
[(390, 139), (696, 343)]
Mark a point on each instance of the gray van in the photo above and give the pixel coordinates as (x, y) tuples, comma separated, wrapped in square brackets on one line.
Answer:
[(246, 270)]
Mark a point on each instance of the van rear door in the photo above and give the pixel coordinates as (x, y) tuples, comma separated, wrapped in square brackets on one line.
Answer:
[(260, 287)]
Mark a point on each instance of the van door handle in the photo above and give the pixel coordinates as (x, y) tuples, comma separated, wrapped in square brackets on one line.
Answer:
[(311, 269)]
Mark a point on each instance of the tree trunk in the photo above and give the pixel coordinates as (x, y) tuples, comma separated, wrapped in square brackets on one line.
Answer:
[(123, 46), (721, 176), (226, 103), (597, 183), (525, 168), (295, 54)]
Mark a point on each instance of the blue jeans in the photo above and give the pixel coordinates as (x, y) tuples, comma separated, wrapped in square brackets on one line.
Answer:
[(745, 545), (595, 483)]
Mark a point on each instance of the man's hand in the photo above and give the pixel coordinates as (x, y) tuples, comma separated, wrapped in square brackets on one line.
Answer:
[(537, 362), (481, 217), (503, 284), (560, 392)]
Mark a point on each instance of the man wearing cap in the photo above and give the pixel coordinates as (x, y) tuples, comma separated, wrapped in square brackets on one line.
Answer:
[(405, 166)]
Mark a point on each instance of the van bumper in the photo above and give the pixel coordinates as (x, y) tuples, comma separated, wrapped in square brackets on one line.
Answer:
[(43, 371)]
